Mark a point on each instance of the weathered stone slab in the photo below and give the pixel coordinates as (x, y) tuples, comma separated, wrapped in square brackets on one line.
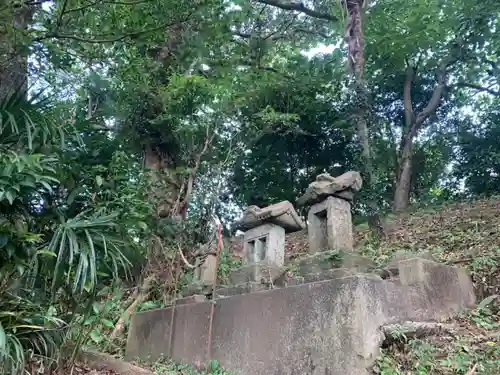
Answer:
[(330, 226), (330, 327), (356, 262), (149, 333), (208, 269), (392, 269), (327, 275), (327, 260), (256, 272), (282, 214), (450, 285), (237, 290), (296, 280), (233, 290), (325, 186)]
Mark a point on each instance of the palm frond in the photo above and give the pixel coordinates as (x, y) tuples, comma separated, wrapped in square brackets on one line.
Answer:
[(25, 123), (82, 245), (25, 328)]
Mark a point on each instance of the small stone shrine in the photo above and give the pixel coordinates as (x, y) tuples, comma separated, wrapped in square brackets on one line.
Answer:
[(329, 218), (264, 241)]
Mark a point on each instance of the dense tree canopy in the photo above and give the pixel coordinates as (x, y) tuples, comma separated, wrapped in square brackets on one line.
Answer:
[(124, 125)]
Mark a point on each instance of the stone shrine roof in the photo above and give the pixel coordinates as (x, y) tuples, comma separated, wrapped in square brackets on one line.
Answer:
[(282, 214)]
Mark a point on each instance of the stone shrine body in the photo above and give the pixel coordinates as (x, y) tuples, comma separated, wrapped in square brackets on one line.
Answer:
[(264, 241)]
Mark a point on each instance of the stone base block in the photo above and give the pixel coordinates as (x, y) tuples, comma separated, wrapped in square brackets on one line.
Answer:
[(356, 262), (392, 269), (451, 285), (330, 225), (319, 262), (328, 260), (265, 243), (296, 280), (197, 289), (338, 322), (255, 273), (233, 290)]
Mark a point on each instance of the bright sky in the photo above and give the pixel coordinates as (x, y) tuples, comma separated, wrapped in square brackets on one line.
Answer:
[(321, 49)]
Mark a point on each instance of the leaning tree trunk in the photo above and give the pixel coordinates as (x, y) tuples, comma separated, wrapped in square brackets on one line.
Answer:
[(356, 63)]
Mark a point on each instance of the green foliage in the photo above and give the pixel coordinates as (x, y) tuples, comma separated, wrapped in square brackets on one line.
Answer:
[(295, 132), (26, 331), (81, 245), (166, 367), (44, 250), (227, 265), (479, 153), (22, 174)]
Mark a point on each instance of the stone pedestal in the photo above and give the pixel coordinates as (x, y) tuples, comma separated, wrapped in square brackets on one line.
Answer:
[(208, 270), (330, 226), (328, 265)]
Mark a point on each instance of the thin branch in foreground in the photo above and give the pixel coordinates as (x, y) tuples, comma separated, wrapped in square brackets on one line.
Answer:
[(480, 88), (98, 40), (298, 6), (101, 2)]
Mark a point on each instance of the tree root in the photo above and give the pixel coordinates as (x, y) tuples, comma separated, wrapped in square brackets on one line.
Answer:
[(139, 296)]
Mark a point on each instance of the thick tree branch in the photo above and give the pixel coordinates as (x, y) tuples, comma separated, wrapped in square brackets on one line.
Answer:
[(298, 6), (408, 107), (189, 191), (431, 107)]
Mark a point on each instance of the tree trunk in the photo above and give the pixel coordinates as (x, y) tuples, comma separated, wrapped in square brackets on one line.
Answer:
[(13, 53), (375, 221), (413, 123), (403, 182), (165, 188), (353, 35)]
